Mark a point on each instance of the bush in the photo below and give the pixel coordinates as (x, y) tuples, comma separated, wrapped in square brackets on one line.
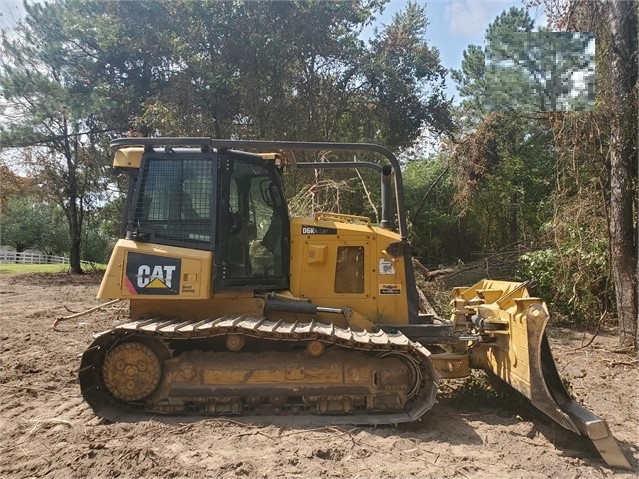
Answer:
[(574, 279)]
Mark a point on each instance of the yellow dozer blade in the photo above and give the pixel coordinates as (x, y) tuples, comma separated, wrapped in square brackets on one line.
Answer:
[(514, 347)]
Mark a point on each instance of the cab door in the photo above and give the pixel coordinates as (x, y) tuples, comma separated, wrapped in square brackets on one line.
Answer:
[(252, 235)]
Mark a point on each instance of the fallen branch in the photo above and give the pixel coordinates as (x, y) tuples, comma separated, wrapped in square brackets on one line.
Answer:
[(430, 275), (290, 433), (599, 323), (623, 363), (254, 433), (368, 196), (624, 350), (77, 315), (424, 305), (53, 420)]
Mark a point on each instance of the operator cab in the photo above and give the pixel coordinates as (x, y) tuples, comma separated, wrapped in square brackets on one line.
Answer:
[(227, 202)]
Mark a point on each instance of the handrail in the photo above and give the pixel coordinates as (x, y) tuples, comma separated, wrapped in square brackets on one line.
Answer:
[(327, 216)]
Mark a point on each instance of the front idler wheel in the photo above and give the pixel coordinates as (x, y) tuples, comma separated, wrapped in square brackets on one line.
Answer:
[(131, 371)]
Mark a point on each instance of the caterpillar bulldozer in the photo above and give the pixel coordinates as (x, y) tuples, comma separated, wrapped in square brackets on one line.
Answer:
[(237, 308)]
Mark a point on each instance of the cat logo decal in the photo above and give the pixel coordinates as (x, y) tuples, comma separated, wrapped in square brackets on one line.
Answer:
[(149, 274)]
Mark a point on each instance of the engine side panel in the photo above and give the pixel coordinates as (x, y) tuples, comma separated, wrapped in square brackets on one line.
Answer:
[(338, 264), (138, 270)]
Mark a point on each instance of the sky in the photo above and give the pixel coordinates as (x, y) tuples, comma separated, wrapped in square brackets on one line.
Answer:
[(454, 24), (10, 9)]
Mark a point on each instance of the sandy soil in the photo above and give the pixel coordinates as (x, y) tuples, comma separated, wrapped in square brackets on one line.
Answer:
[(47, 430)]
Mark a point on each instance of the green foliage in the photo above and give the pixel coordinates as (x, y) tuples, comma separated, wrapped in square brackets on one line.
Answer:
[(477, 390), (597, 151), (574, 276), (98, 243), (437, 233), (542, 266), (470, 79), (29, 224), (297, 71), (400, 65), (484, 389), (501, 174)]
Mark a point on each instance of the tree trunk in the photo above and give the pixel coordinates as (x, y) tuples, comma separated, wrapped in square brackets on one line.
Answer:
[(73, 210), (623, 180), (75, 233)]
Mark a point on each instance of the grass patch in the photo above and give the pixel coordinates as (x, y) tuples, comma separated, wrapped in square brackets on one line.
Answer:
[(33, 268), (17, 268)]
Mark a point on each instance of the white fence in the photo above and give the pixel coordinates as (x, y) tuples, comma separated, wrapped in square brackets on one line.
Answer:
[(31, 258)]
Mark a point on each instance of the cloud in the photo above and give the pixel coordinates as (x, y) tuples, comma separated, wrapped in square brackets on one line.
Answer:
[(466, 17), (470, 18)]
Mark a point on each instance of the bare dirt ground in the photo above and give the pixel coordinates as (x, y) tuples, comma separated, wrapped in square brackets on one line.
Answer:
[(47, 430)]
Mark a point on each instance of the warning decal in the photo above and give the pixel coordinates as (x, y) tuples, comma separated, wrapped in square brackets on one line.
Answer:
[(386, 266), (390, 289)]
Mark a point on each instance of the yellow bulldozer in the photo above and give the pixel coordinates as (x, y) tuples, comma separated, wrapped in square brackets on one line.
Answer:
[(237, 308)]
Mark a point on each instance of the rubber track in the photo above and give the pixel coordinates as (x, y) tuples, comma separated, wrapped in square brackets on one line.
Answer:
[(104, 405)]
